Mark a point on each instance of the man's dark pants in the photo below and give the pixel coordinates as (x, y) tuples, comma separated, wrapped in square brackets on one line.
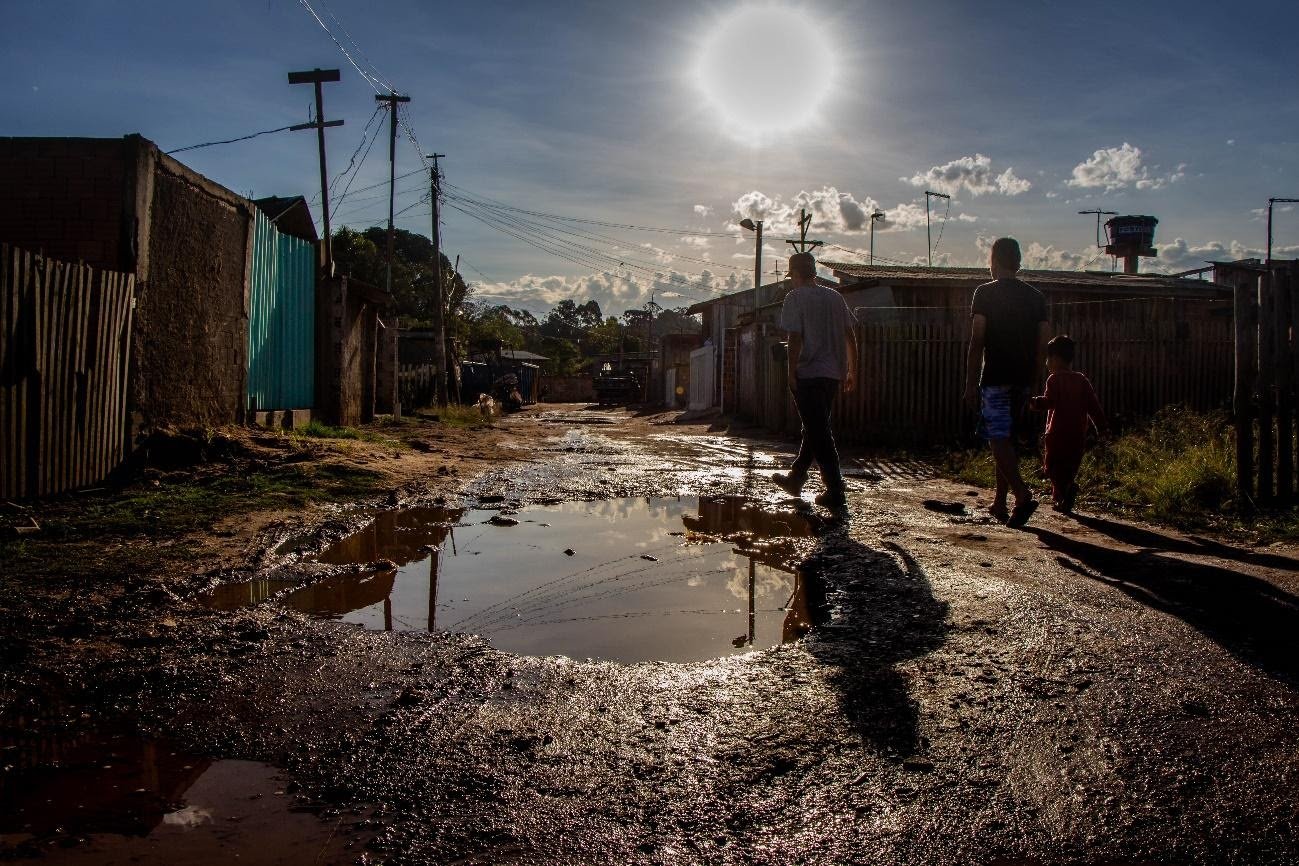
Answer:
[(815, 400)]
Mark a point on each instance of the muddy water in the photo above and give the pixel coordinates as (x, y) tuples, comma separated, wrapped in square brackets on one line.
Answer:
[(672, 579), (75, 795)]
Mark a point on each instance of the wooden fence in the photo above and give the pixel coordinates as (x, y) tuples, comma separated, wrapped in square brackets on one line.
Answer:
[(415, 385), (65, 337), (1266, 319), (911, 374)]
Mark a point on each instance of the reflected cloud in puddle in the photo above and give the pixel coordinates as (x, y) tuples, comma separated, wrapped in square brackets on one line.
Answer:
[(672, 579)]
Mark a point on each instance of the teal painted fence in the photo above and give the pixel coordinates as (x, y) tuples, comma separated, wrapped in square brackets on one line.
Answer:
[(281, 321)]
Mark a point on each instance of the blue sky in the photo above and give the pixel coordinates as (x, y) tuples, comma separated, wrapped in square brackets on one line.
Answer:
[(1025, 112)]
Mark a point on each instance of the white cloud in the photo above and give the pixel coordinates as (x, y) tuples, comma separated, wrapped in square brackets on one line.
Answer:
[(697, 241), (904, 217), (1179, 255), (967, 218), (1052, 194), (615, 292), (703, 211), (1045, 257), (973, 173), (1120, 167), (832, 211)]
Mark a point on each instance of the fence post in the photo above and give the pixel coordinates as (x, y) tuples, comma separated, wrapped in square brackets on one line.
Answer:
[(1282, 299), (1266, 379), (1245, 315)]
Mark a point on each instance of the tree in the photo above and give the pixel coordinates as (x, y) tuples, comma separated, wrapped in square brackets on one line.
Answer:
[(363, 256)]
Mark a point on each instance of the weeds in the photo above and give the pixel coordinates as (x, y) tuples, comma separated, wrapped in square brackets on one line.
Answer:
[(1180, 470)]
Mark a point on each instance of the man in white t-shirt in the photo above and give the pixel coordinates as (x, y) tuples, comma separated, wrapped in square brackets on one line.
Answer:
[(822, 359)]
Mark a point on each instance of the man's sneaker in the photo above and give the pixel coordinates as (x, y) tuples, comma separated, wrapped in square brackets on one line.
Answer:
[(792, 483), (832, 499)]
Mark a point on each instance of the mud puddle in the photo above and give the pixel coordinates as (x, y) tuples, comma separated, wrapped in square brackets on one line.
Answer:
[(640, 579), (72, 794)]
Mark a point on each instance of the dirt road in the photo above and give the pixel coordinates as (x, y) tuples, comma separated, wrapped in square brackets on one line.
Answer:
[(1086, 691)]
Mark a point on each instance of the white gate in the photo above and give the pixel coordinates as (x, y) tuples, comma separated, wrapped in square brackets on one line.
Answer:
[(703, 366)]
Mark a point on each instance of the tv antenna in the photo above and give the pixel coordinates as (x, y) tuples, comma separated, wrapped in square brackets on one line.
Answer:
[(929, 244), (1099, 213)]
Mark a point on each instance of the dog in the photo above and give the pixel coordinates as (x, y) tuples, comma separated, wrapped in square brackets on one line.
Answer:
[(486, 406)]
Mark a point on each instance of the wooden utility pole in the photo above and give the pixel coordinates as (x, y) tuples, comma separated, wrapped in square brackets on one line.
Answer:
[(439, 323), (392, 99), (319, 77), (803, 244)]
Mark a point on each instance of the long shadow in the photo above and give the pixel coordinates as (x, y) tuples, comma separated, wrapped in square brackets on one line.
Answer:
[(869, 612), (1249, 617), (1193, 544)]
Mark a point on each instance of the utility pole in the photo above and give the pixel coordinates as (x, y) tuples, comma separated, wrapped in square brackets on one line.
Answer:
[(804, 222), (929, 244), (1099, 213), (319, 77), (755, 226), (876, 216), (439, 323), (392, 99)]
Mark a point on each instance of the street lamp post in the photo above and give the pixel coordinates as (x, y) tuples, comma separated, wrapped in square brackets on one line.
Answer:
[(875, 217), (756, 227)]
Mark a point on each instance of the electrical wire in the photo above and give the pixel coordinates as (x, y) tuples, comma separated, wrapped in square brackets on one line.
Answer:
[(351, 162), (943, 226), (373, 81), (228, 140)]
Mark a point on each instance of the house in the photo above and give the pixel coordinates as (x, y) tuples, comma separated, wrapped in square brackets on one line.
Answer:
[(230, 322), (1146, 340)]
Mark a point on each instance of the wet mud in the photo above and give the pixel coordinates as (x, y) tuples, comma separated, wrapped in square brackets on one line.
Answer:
[(921, 684)]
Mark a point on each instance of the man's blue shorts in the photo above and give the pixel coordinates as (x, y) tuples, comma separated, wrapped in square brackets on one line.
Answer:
[(1000, 410)]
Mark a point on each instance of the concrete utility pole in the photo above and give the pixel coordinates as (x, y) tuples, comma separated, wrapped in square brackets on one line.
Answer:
[(439, 323), (318, 77), (876, 216), (929, 244), (755, 226), (392, 99)]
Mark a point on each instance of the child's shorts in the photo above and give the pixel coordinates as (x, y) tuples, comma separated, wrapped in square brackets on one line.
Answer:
[(1000, 409)]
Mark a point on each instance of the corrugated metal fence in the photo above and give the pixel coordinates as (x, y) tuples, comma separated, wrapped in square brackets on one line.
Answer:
[(281, 320), (65, 337), (911, 374)]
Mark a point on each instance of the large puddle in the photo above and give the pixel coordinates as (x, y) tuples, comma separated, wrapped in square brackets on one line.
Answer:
[(672, 579), (74, 794)]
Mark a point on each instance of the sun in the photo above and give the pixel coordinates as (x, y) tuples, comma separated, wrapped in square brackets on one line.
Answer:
[(766, 69)]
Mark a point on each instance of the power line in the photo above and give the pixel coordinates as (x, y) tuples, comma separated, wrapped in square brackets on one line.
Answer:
[(365, 134), (229, 140), (373, 81)]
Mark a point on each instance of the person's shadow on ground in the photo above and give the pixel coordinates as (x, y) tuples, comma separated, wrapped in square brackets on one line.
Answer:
[(1138, 536), (1249, 617), (869, 610)]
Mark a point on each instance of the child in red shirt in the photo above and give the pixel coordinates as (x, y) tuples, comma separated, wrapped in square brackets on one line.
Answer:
[(1070, 403)]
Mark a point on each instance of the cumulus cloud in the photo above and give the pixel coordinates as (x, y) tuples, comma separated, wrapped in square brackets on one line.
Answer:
[(614, 291), (832, 211), (972, 173), (703, 211), (1179, 255), (1113, 168), (967, 218), (696, 241), (1044, 257)]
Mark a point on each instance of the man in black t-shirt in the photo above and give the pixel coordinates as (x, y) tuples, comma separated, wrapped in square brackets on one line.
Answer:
[(1008, 336)]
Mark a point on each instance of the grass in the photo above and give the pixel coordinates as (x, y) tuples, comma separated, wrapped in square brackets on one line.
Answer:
[(173, 508), (1179, 470)]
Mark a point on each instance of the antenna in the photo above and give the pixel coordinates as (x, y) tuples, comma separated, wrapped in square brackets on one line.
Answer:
[(1098, 213), (929, 244)]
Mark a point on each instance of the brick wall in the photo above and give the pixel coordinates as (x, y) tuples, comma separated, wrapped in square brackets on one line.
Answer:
[(64, 197)]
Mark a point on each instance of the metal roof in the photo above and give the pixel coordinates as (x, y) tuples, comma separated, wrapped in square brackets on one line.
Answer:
[(1099, 281)]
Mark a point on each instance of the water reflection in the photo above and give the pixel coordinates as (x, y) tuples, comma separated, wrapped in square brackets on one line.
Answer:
[(648, 578)]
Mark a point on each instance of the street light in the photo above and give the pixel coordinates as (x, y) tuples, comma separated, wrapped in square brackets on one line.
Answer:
[(756, 227), (874, 217)]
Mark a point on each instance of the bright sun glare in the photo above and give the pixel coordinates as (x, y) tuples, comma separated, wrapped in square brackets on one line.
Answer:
[(766, 69)]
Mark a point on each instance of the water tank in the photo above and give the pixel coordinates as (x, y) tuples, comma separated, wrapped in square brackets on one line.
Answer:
[(1134, 232)]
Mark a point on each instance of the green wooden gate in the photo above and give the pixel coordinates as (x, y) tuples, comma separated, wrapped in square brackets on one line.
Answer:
[(281, 320)]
